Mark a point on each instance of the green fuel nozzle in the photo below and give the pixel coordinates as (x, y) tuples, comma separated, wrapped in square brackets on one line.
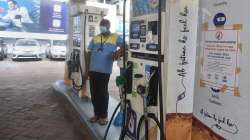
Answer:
[(120, 81)]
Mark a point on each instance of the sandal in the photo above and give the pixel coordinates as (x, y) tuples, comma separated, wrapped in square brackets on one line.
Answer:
[(85, 98), (103, 121), (93, 119)]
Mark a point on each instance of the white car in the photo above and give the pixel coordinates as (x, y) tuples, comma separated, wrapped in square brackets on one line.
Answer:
[(57, 50), (27, 49)]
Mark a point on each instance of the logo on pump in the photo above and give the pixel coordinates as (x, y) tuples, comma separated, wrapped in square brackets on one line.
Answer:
[(220, 19), (219, 35)]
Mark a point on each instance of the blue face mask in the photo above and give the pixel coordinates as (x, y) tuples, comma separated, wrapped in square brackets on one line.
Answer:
[(103, 29)]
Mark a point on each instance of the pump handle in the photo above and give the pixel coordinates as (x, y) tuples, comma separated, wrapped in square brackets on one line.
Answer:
[(120, 81)]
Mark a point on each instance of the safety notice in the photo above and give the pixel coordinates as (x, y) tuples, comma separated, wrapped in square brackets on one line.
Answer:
[(220, 59)]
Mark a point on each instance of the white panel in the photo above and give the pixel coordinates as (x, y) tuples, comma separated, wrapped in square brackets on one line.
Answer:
[(181, 57), (219, 105)]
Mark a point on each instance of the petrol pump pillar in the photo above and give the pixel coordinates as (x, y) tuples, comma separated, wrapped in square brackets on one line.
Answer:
[(180, 69)]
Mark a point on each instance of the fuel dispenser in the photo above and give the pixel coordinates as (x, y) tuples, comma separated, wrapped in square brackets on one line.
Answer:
[(83, 26), (143, 70)]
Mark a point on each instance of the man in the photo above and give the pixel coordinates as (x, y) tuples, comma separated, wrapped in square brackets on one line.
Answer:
[(102, 51), (17, 15)]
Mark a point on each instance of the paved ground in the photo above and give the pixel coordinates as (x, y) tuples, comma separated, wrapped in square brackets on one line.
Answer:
[(28, 108)]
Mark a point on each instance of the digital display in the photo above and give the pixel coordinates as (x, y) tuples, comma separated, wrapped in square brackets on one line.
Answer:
[(135, 30), (152, 47), (143, 30), (135, 27), (153, 26), (134, 46)]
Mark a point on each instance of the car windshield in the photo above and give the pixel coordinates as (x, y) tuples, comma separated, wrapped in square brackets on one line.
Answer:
[(59, 43), (26, 43)]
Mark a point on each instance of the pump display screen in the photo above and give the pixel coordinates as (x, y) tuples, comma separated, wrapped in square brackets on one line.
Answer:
[(152, 26), (144, 7), (135, 30)]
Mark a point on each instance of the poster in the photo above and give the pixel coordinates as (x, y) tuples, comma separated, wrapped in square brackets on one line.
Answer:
[(220, 60), (221, 101), (34, 16)]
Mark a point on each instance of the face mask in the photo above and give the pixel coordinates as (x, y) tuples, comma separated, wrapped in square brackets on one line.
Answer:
[(103, 29)]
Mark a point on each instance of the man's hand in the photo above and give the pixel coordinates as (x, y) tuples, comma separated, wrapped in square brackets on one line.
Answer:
[(115, 56), (87, 60), (118, 54)]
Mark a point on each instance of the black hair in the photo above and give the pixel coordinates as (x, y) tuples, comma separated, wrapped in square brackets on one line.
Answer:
[(105, 22)]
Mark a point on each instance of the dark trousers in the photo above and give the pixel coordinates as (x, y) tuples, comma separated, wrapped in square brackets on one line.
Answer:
[(99, 93)]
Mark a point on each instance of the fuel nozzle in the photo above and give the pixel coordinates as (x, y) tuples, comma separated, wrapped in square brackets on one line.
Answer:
[(141, 90), (120, 81)]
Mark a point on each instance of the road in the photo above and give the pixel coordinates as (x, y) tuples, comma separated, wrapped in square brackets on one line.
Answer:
[(28, 107)]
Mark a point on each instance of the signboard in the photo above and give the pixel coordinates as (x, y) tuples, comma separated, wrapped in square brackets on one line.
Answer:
[(221, 101), (33, 16), (220, 60)]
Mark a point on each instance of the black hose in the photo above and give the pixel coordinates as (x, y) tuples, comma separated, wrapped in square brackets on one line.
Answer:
[(139, 127), (162, 137), (146, 119), (123, 132), (111, 120), (125, 122)]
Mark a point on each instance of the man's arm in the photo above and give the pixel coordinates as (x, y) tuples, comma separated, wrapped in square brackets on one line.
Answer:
[(87, 60), (119, 52), (87, 53)]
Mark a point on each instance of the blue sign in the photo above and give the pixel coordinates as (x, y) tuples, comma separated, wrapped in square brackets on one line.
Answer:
[(34, 16), (220, 19)]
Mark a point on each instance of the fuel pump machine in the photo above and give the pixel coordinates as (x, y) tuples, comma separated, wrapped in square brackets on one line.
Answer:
[(143, 69), (83, 25)]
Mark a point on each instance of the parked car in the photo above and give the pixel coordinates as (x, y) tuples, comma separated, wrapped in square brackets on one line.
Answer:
[(57, 49), (27, 49), (3, 50)]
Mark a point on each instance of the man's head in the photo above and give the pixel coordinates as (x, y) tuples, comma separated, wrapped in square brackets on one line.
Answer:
[(105, 26), (12, 4)]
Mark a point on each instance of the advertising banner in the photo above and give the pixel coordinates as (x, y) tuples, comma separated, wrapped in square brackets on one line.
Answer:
[(33, 16)]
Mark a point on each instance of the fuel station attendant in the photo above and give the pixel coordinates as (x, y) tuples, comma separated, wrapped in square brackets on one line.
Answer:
[(103, 50)]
